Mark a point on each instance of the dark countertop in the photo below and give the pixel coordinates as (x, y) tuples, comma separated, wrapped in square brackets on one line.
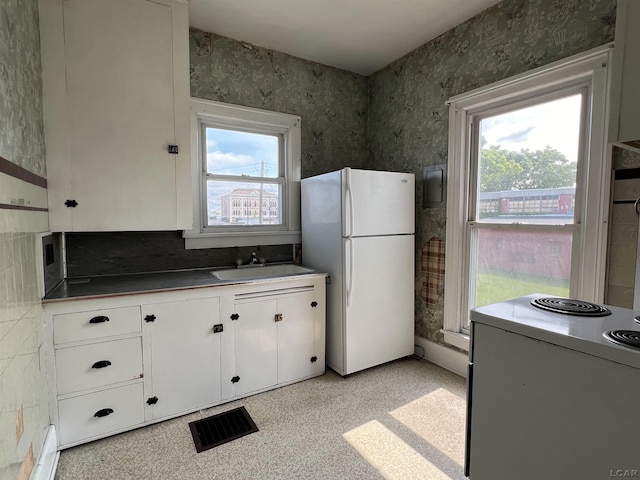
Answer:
[(113, 285)]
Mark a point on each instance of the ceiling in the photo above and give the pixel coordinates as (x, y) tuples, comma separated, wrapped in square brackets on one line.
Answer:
[(361, 36)]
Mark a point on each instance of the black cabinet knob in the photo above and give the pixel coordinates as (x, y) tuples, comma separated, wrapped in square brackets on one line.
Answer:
[(103, 413), (99, 319), (152, 400), (101, 364), (150, 318)]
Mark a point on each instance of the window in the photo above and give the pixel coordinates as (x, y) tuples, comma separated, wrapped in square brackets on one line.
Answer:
[(241, 166), (246, 176), (529, 175)]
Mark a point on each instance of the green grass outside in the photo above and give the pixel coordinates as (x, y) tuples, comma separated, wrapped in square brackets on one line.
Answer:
[(495, 288)]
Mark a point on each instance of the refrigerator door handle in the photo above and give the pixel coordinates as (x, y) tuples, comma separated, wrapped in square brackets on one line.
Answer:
[(349, 231), (350, 284)]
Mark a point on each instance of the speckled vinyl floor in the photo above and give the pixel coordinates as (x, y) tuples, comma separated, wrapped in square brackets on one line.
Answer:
[(402, 420)]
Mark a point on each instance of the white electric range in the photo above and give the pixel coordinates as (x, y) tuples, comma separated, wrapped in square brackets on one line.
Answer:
[(553, 391)]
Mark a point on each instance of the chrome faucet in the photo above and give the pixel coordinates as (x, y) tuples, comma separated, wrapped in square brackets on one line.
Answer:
[(254, 261)]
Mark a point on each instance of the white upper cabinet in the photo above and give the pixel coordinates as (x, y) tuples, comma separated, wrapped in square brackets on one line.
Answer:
[(116, 93), (624, 124)]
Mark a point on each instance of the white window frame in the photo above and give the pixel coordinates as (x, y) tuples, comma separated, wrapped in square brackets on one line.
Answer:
[(588, 276), (217, 114)]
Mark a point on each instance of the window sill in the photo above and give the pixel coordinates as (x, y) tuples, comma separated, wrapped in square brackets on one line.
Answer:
[(194, 241), (456, 339)]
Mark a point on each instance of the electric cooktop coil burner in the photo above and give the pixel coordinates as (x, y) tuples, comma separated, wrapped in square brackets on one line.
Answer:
[(570, 306), (627, 338)]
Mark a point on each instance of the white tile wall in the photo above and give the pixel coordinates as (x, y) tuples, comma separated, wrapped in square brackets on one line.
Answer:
[(22, 380), (623, 244)]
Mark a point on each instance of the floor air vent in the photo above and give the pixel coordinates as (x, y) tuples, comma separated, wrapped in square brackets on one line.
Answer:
[(221, 428)]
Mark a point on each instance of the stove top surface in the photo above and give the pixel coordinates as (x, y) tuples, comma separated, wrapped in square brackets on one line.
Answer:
[(586, 333)]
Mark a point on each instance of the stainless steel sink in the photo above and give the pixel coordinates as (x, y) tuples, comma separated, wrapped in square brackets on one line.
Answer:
[(260, 272)]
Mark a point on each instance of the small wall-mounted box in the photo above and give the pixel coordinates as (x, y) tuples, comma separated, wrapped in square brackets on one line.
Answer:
[(434, 186)]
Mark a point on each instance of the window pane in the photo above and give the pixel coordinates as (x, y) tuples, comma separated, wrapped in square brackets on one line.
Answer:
[(528, 162), (511, 264), (231, 152), (237, 203)]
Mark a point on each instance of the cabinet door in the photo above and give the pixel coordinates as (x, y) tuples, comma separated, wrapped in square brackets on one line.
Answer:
[(185, 354), (624, 123), (120, 114), (256, 354), (296, 337)]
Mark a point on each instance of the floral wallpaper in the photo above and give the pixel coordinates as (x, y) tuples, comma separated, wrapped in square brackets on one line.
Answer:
[(408, 118), (22, 125), (331, 102)]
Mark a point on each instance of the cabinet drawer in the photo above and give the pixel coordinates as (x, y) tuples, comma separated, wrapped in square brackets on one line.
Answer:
[(81, 417), (98, 364), (73, 327)]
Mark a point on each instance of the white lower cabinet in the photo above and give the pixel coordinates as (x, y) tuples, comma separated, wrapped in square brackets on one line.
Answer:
[(185, 355), (121, 362), (96, 414), (98, 364), (276, 338), (95, 324), (256, 347), (297, 348), (96, 370)]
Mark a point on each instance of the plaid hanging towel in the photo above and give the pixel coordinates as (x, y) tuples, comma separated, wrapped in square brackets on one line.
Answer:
[(432, 271)]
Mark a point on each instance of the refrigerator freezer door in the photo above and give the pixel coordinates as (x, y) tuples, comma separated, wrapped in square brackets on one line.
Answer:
[(379, 291), (377, 203)]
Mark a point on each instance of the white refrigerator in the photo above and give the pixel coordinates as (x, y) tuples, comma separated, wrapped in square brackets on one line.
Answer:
[(358, 226)]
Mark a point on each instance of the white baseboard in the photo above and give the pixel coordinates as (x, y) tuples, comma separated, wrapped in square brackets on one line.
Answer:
[(47, 464), (444, 357)]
